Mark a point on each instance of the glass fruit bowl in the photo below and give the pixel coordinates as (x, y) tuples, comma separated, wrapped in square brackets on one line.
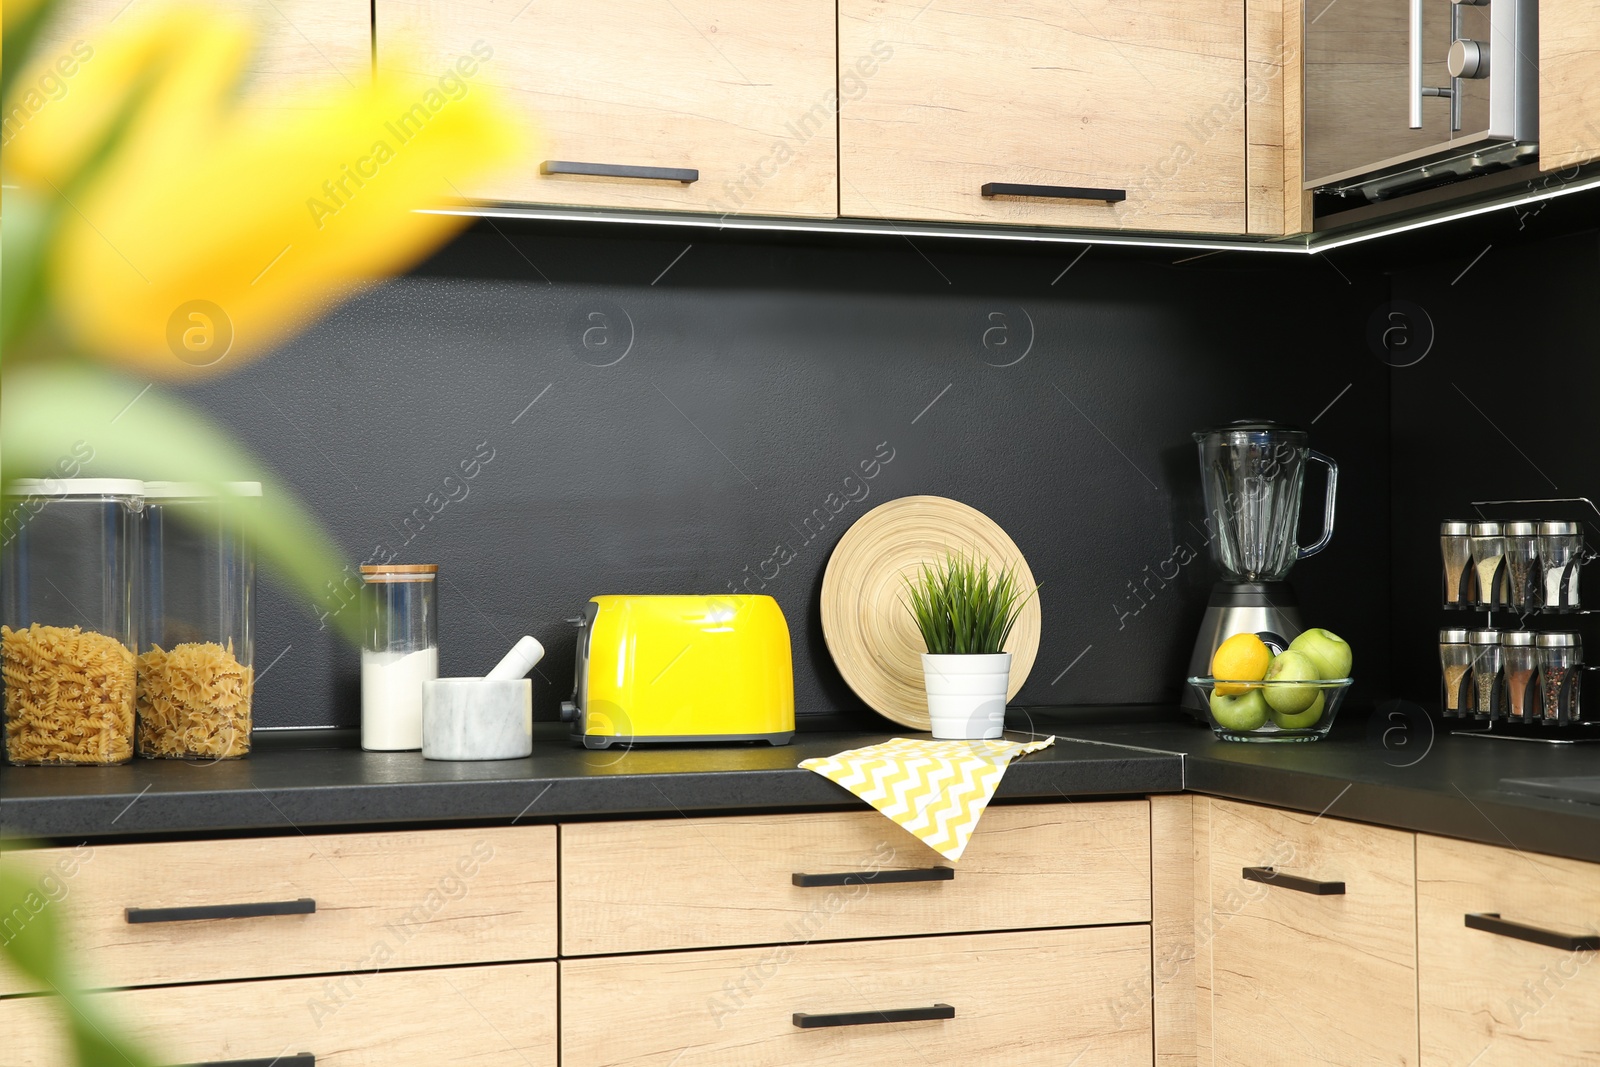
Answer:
[(1271, 711)]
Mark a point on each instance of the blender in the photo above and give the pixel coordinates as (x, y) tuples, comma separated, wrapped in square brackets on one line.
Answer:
[(1251, 473)]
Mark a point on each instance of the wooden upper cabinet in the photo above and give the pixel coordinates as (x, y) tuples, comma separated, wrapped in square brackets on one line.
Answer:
[(939, 98), (1569, 83), (742, 95), (304, 48)]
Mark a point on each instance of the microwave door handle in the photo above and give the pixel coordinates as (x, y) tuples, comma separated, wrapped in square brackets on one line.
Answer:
[(1415, 49)]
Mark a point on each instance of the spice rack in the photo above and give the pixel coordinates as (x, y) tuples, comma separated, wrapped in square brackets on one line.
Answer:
[(1525, 683)]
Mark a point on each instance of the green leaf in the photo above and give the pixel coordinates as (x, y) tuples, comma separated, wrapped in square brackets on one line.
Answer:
[(20, 35), (961, 606), (47, 411)]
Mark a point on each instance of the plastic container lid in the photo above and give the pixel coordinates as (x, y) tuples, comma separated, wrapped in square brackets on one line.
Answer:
[(1484, 637), (1560, 639), (1452, 637), (76, 487), (197, 490), (1457, 529), (1521, 529), (1486, 529), (1558, 527), (1516, 638)]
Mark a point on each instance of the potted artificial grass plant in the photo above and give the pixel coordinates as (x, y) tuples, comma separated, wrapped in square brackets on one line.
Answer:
[(965, 612)]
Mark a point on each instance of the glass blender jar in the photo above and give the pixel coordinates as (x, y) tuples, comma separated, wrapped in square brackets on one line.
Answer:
[(1251, 475)]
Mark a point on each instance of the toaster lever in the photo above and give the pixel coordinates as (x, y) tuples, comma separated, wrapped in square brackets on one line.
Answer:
[(569, 711)]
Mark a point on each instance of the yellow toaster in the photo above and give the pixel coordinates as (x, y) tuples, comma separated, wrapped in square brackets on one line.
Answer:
[(682, 668)]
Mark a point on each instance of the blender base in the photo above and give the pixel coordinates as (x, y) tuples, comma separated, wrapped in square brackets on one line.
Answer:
[(1266, 609)]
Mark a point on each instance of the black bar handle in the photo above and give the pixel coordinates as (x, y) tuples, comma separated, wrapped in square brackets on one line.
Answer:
[(921, 874), (865, 1018), (1055, 192), (1490, 922), (1268, 876), (303, 906), (618, 170), (299, 1059)]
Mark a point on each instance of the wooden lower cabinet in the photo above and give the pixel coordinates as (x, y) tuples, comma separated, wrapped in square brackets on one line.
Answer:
[(709, 883), (1493, 997), (1019, 999), (501, 1016), (170, 912), (1298, 976)]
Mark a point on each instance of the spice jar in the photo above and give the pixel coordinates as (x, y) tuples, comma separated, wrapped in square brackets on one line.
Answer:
[(1457, 553), (1455, 663), (1560, 656), (1521, 661), (68, 624), (197, 639), (399, 651), (1487, 657), (1488, 563), (1522, 565), (1560, 554)]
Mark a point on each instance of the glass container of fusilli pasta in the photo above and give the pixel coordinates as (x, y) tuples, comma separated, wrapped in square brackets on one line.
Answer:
[(197, 637), (69, 577)]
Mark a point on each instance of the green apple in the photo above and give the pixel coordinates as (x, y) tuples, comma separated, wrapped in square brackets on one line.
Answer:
[(1291, 666), (1303, 721), (1244, 712), (1327, 650)]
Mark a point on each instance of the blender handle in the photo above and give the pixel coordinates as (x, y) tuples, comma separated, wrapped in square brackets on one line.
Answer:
[(1327, 508)]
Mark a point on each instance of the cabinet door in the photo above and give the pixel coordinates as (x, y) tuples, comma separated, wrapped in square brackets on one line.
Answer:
[(730, 106), (1300, 976), (1497, 996), (304, 48), (1143, 98), (461, 1016), (1050, 997), (1569, 83)]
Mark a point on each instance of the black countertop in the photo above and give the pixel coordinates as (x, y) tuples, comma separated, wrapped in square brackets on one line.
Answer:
[(1410, 776), (299, 779)]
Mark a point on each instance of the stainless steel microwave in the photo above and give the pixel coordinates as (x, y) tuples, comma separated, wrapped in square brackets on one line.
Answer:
[(1401, 94)]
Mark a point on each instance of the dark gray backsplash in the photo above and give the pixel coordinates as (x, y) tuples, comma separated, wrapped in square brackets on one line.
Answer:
[(749, 380), (1501, 408)]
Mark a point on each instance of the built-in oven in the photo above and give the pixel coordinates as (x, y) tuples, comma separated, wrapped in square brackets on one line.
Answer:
[(1404, 94)]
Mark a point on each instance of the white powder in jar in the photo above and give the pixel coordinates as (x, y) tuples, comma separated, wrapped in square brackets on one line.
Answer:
[(391, 697)]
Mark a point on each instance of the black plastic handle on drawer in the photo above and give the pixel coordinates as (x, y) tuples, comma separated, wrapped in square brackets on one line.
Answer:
[(303, 906), (299, 1059), (866, 1018), (1490, 922), (617, 170), (1055, 192), (920, 874), (1268, 876)]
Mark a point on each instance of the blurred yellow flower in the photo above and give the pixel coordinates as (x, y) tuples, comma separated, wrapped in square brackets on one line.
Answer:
[(207, 229)]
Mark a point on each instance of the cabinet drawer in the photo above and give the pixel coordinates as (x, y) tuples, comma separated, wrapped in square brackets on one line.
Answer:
[(381, 901), (469, 1016), (1019, 998), (699, 883), (1493, 999), (1146, 97), (1303, 977), (744, 94)]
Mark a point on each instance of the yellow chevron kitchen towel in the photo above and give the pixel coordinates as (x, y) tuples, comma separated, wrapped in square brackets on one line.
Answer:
[(935, 789)]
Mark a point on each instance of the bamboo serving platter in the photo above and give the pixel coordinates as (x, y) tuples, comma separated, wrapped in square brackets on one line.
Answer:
[(869, 630)]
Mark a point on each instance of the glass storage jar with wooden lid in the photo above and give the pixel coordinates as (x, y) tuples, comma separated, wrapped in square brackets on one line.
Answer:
[(68, 618), (399, 651), (197, 640)]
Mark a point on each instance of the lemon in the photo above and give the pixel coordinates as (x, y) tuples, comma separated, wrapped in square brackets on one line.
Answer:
[(1241, 658)]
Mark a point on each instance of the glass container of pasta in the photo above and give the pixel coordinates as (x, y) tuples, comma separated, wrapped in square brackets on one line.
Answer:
[(197, 636), (69, 573)]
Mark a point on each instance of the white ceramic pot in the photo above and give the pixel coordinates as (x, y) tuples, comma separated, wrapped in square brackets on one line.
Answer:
[(966, 694)]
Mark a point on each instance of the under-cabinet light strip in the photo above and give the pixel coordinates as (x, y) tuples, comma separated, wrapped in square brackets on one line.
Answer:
[(1302, 244)]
